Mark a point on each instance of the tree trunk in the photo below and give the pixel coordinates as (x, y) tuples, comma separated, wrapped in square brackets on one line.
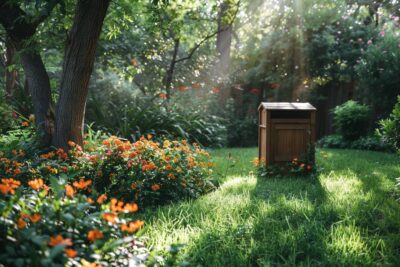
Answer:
[(224, 40), (169, 75), (77, 69), (11, 74), (39, 88), (19, 31)]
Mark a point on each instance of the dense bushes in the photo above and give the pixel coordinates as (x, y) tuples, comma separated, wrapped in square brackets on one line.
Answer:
[(389, 128), (378, 71), (6, 119), (77, 207), (116, 108), (351, 120), (364, 143), (48, 225)]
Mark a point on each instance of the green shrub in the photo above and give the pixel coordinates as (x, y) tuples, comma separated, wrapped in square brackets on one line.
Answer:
[(46, 225), (333, 141), (6, 117), (351, 120), (371, 143), (147, 172), (76, 207), (127, 113), (389, 128), (378, 73)]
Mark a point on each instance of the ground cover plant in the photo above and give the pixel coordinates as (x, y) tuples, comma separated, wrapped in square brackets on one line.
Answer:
[(346, 216), (75, 208)]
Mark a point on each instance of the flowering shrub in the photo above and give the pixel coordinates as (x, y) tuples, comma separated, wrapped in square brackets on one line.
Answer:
[(54, 225), (304, 166), (77, 207), (145, 172)]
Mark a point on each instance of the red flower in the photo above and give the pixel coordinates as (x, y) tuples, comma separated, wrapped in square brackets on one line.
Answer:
[(182, 88), (255, 91), (196, 85), (275, 86), (215, 90), (163, 95)]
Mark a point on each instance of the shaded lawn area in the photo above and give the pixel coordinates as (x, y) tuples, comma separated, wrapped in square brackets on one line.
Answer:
[(347, 216)]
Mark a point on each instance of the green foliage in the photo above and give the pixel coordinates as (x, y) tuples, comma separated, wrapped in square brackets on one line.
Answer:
[(303, 166), (351, 120), (333, 141), (378, 71), (128, 113), (371, 142), (389, 128), (32, 219), (6, 119), (146, 172)]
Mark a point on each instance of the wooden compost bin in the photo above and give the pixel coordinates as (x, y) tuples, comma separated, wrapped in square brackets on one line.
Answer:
[(286, 130)]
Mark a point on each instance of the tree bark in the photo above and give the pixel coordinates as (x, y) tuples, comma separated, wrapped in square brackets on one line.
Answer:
[(39, 87), (11, 75), (20, 30), (224, 40), (169, 75), (77, 69)]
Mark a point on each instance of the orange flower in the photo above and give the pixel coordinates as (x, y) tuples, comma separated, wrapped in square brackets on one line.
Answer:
[(149, 167), (110, 217), (101, 198), (47, 156), (8, 186), (168, 167), (171, 176), (61, 154), (21, 224), (132, 226), (155, 187), (89, 200), (94, 234), (36, 184), (82, 184), (71, 253), (131, 207), (116, 205), (69, 191), (25, 124), (59, 240), (35, 217), (133, 185), (71, 143)]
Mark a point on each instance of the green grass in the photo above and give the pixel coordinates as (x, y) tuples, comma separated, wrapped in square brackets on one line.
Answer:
[(347, 216)]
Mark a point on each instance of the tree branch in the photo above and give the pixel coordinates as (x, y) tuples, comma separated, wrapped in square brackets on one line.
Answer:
[(206, 38)]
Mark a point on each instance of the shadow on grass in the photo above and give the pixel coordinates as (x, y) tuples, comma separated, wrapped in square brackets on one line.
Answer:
[(296, 222), (281, 226), (340, 218)]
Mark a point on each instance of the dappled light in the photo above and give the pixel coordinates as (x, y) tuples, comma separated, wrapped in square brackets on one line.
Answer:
[(199, 133)]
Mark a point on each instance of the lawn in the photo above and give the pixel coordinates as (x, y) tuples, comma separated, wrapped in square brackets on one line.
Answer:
[(346, 216)]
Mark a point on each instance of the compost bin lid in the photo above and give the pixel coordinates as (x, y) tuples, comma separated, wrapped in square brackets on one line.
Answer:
[(286, 106)]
